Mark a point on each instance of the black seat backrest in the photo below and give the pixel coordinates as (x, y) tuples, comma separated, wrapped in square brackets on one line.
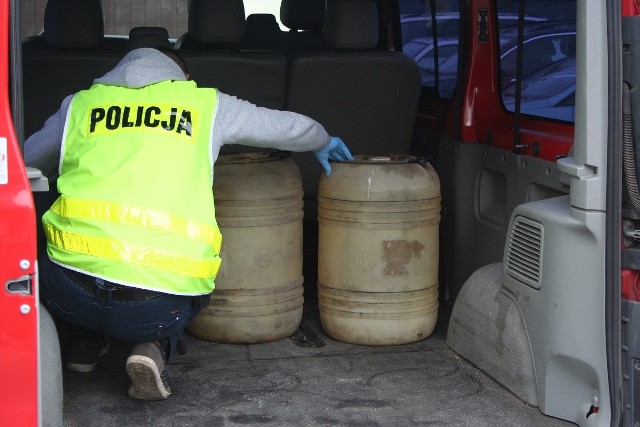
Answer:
[(367, 97), (153, 37), (210, 49), (74, 24), (73, 52), (257, 77), (304, 19), (213, 25), (263, 33)]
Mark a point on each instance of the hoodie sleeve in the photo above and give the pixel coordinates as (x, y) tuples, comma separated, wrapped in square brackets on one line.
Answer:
[(42, 149), (241, 122)]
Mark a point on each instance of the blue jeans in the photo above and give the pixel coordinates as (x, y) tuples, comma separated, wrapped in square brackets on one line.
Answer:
[(159, 316)]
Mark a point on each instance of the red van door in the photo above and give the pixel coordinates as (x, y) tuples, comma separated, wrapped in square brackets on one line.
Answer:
[(18, 293)]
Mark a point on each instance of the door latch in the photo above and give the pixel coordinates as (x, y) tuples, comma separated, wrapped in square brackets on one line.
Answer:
[(21, 285)]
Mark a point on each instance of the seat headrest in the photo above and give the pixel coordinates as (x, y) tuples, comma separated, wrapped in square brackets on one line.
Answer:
[(262, 24), (216, 21), (155, 37), (74, 23), (351, 24), (302, 14)]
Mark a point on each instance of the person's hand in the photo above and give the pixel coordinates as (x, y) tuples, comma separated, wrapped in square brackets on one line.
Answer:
[(336, 150)]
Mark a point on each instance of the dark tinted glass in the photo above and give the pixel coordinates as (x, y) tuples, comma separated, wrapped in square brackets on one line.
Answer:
[(418, 39), (548, 72)]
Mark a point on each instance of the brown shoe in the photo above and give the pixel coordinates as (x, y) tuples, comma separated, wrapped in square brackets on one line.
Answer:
[(145, 367)]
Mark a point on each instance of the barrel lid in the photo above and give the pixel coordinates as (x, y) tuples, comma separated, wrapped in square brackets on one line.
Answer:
[(385, 158), (252, 157), (381, 177), (255, 177)]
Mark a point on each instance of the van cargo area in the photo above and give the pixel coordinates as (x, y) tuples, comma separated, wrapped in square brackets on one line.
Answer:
[(308, 379)]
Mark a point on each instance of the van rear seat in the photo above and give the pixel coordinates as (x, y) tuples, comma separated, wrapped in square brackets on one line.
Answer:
[(211, 50), (77, 24), (150, 37), (367, 97), (304, 19), (66, 58), (263, 33)]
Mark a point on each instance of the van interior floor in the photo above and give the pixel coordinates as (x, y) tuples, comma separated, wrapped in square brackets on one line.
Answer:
[(308, 379)]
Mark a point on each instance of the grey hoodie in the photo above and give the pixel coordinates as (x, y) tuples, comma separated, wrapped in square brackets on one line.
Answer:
[(236, 121)]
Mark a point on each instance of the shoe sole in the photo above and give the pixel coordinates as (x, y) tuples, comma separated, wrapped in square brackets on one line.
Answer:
[(146, 381)]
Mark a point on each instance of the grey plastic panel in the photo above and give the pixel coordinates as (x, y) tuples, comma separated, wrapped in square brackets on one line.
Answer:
[(587, 167), (487, 329), (523, 251), (51, 389), (481, 185), (565, 317)]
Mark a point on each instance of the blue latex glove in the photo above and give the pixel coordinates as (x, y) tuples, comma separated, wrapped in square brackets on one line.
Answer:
[(336, 150)]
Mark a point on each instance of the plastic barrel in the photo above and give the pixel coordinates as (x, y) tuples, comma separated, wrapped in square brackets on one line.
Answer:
[(259, 293), (378, 251)]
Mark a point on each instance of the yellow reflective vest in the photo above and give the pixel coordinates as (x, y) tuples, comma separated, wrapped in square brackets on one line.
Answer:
[(136, 173)]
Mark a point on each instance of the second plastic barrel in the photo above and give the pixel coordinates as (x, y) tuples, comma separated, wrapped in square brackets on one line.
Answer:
[(378, 251), (259, 293)]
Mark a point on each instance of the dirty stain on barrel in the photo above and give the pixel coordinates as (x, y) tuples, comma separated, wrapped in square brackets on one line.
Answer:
[(398, 253)]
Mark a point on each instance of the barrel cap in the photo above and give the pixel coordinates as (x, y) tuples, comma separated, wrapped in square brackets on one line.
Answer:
[(381, 177)]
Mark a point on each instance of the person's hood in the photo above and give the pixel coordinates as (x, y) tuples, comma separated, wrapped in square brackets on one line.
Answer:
[(142, 67)]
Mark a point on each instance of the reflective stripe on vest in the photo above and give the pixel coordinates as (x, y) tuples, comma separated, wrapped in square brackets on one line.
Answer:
[(130, 252), (136, 204), (148, 218)]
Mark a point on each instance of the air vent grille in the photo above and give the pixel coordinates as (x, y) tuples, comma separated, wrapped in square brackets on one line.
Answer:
[(524, 254)]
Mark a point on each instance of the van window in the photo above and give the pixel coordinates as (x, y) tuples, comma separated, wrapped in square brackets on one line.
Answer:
[(548, 75), (419, 39)]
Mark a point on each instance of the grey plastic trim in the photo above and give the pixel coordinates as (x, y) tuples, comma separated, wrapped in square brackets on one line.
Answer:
[(565, 316), (476, 206), (487, 328), (523, 259)]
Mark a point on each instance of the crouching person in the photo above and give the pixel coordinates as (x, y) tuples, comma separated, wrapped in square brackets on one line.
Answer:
[(132, 241)]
